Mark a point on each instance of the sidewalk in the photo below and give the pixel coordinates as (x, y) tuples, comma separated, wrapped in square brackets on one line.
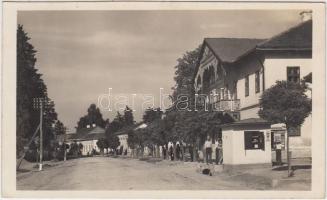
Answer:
[(262, 177)]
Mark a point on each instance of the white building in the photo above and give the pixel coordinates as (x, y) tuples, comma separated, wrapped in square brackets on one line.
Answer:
[(238, 71), (88, 137)]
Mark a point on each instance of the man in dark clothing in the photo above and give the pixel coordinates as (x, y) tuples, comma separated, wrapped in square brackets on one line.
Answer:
[(164, 151), (178, 150), (191, 152), (171, 153)]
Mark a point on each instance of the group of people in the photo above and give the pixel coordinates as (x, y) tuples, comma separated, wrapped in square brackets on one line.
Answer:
[(169, 153), (218, 147)]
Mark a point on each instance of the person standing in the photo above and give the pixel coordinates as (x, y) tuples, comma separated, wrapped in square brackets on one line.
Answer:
[(171, 153), (279, 153), (216, 152), (220, 151), (190, 149), (178, 151), (208, 148), (164, 150)]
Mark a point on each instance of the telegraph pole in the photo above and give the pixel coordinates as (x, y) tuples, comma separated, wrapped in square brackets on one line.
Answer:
[(41, 103), (41, 134)]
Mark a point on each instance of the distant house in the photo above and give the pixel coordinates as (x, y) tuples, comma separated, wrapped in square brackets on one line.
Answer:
[(123, 136), (237, 71), (88, 137)]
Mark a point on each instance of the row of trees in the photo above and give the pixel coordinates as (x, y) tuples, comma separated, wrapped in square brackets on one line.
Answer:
[(30, 85)]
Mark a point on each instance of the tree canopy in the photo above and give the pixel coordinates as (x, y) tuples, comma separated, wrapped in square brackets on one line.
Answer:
[(184, 75), (30, 85), (285, 102), (59, 128), (102, 144), (93, 116), (151, 115)]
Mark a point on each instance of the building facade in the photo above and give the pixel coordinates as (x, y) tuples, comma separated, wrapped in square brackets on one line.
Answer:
[(88, 137), (232, 74)]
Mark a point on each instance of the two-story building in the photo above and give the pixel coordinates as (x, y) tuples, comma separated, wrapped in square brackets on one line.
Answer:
[(236, 71)]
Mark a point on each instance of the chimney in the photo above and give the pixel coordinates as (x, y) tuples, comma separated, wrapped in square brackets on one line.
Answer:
[(306, 15)]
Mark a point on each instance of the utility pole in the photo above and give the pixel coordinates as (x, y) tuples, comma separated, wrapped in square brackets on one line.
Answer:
[(41, 134), (41, 103)]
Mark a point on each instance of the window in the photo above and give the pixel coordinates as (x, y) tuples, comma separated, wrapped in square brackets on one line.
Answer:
[(293, 74), (247, 85), (257, 81), (254, 140)]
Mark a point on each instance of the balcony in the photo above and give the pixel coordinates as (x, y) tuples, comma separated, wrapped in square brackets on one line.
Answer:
[(227, 105)]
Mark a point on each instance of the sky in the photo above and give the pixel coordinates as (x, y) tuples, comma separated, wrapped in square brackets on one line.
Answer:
[(82, 54)]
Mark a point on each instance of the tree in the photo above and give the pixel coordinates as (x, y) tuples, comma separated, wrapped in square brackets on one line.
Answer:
[(102, 143), (59, 128), (93, 116), (116, 124), (151, 114), (184, 75), (286, 102), (30, 85), (128, 116), (113, 141)]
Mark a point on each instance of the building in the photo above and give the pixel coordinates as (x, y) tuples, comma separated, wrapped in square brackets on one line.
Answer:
[(88, 137), (123, 136), (233, 73)]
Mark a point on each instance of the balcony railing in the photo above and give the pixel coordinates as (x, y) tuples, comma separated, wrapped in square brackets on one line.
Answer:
[(227, 105)]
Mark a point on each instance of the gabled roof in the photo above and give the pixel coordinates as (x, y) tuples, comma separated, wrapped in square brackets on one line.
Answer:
[(230, 49), (93, 133), (297, 37)]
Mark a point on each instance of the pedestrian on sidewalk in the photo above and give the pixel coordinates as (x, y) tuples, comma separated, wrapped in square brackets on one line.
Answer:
[(208, 148)]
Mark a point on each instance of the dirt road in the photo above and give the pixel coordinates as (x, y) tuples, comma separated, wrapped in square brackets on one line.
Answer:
[(104, 173)]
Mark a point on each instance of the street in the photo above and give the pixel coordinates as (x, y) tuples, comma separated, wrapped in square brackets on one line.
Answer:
[(105, 173)]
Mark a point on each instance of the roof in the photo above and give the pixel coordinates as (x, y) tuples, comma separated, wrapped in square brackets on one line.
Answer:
[(93, 133), (230, 49), (297, 37), (249, 121), (125, 130)]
